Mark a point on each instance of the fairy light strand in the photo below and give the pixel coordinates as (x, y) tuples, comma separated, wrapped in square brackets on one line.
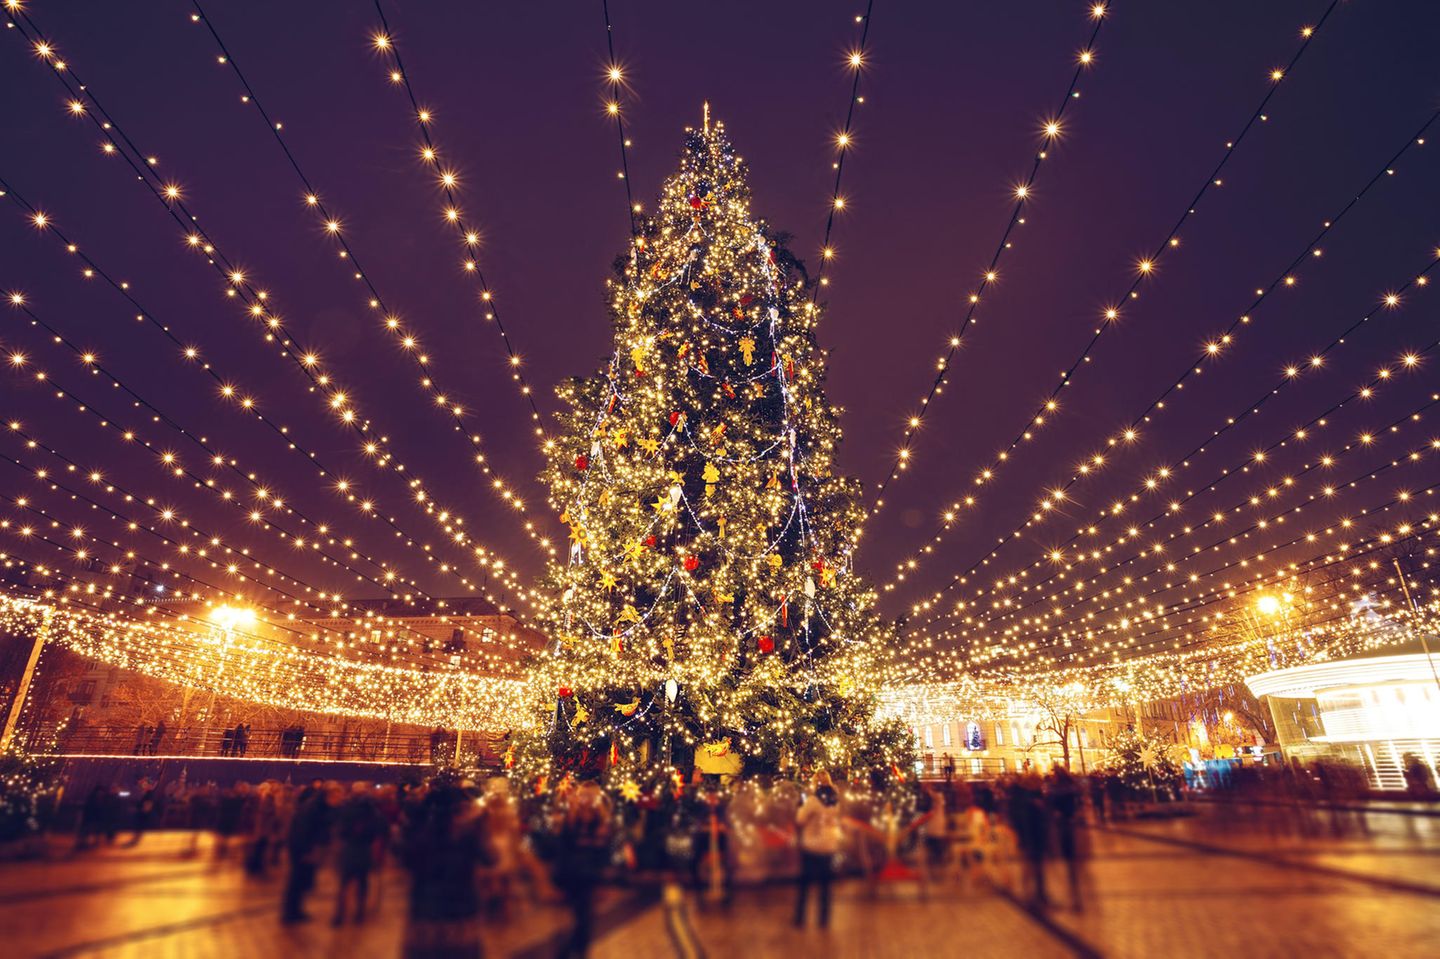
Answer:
[(1022, 192), (1211, 352), (440, 399)]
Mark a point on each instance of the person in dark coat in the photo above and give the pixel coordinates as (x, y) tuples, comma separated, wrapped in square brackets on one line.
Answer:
[(94, 816), (1031, 822), (359, 828), (1064, 801), (147, 805), (157, 736), (584, 849), (444, 844), (309, 835)]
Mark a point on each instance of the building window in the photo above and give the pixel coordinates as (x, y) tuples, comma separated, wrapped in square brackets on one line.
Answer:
[(974, 738), (1002, 764), (977, 765), (929, 737), (999, 735), (945, 735)]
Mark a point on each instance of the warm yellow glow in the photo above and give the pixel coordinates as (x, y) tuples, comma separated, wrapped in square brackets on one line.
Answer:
[(232, 617)]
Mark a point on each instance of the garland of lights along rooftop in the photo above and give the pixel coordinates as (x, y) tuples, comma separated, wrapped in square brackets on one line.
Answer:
[(702, 609)]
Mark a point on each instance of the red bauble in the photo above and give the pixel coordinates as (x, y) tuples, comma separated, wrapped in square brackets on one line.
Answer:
[(581, 462), (696, 202), (566, 692), (746, 299), (766, 644), (674, 417), (649, 541), (692, 563)]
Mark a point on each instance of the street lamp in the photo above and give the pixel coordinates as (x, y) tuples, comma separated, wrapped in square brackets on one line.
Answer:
[(228, 618)]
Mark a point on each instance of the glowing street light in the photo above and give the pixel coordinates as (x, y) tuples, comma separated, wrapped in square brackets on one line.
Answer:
[(230, 618)]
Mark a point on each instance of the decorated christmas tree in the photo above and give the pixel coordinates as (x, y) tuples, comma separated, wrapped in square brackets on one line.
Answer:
[(705, 614)]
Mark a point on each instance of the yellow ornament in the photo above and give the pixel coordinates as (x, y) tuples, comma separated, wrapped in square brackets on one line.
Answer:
[(747, 349)]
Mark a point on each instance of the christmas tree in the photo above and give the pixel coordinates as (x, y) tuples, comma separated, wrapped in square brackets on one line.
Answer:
[(706, 613)]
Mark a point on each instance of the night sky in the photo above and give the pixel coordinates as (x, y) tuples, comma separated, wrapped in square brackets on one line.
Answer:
[(954, 96)]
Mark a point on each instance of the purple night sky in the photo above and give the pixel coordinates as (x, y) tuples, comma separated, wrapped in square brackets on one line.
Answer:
[(955, 94)]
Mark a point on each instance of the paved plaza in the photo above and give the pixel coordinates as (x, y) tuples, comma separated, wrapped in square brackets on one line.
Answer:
[(1224, 883)]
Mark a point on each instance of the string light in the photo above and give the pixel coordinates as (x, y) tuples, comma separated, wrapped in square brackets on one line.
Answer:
[(227, 389), (1093, 464), (456, 415), (449, 182), (1233, 470), (1213, 349), (321, 381), (1020, 194), (844, 140), (1158, 554), (1110, 313)]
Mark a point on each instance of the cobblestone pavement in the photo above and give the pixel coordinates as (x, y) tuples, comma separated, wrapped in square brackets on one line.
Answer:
[(1217, 884)]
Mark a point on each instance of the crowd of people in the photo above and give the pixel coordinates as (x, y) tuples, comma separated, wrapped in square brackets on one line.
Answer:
[(480, 852)]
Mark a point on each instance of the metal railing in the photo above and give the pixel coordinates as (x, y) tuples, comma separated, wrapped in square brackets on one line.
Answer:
[(284, 743)]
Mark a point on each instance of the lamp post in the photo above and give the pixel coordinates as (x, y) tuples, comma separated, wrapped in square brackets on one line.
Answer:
[(22, 690)]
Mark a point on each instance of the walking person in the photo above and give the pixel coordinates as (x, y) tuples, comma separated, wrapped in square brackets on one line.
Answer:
[(821, 832), (309, 835), (146, 804), (584, 850), (443, 847), (359, 827), (93, 815), (266, 829), (157, 736), (1031, 822), (1064, 801), (934, 829)]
